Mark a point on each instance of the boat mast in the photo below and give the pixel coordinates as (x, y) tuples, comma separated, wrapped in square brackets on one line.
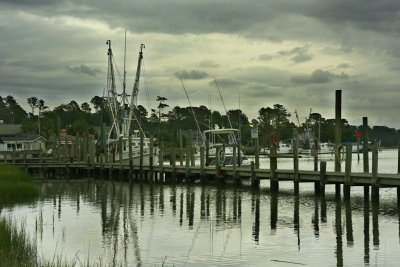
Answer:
[(135, 89), (124, 100), (111, 91)]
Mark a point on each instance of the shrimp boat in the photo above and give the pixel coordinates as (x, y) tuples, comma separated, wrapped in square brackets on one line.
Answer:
[(121, 108)]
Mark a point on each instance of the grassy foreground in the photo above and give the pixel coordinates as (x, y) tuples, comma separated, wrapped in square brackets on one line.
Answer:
[(16, 186)]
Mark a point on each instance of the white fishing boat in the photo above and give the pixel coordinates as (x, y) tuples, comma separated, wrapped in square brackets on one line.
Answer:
[(121, 107), (221, 143), (283, 148)]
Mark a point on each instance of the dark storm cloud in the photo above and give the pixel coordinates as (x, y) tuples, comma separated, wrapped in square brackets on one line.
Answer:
[(83, 69), (191, 75), (372, 15), (226, 83), (30, 2), (343, 65), (318, 76), (208, 64), (297, 54)]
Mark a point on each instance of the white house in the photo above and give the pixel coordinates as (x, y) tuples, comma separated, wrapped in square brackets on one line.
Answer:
[(13, 140)]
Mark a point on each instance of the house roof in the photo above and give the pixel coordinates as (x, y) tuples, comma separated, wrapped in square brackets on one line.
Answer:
[(10, 129), (21, 137)]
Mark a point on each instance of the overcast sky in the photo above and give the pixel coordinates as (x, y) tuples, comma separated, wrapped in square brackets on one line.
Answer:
[(292, 52)]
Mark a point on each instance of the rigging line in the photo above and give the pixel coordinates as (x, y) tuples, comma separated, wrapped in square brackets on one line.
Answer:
[(146, 86), (223, 103), (194, 115)]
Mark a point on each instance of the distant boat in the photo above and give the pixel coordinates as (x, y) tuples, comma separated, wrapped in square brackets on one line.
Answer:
[(284, 147), (121, 107)]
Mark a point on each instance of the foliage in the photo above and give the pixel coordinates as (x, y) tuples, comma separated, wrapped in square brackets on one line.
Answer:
[(273, 122)]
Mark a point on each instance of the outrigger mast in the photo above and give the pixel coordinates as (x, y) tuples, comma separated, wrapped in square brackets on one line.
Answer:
[(135, 89), (122, 111)]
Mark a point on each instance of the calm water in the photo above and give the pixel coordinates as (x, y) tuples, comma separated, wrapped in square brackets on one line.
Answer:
[(190, 225)]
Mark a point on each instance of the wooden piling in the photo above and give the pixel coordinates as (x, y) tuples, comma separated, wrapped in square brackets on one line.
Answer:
[(141, 174), (316, 144), (234, 162), (202, 162), (120, 156), (192, 163), (257, 154), (347, 180), (338, 128), (296, 160), (173, 164), (322, 178), (130, 153), (338, 134), (217, 163), (187, 162), (161, 162), (255, 182), (273, 163), (180, 147), (151, 159), (207, 163), (365, 144), (374, 175)]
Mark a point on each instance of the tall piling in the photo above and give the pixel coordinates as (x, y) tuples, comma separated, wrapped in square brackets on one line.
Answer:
[(365, 149), (338, 133)]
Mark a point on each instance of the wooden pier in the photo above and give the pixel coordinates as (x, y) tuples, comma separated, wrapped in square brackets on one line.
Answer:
[(81, 160)]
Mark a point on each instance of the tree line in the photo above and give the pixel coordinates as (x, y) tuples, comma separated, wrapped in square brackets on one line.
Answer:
[(273, 123)]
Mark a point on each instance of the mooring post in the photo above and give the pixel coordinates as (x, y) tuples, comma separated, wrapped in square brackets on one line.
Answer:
[(296, 161), (92, 152), (316, 145), (85, 149), (173, 163), (347, 180), (101, 165), (322, 178), (257, 154), (151, 159), (191, 148), (120, 156), (161, 162), (217, 163), (365, 148), (338, 134), (374, 179), (130, 154), (202, 161), (234, 162), (141, 174), (239, 153), (255, 182), (273, 163), (207, 163), (180, 147), (187, 162)]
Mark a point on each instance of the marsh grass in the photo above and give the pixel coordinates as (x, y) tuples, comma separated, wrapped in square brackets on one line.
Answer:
[(15, 248), (16, 186)]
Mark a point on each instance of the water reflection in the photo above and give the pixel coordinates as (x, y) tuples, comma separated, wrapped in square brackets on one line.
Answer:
[(204, 225)]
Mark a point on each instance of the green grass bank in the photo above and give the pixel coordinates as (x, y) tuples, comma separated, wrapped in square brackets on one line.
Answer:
[(16, 186)]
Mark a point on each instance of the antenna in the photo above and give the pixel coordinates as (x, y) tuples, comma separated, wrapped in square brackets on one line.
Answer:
[(223, 103)]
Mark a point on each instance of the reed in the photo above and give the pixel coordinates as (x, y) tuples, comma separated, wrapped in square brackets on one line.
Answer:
[(16, 186), (15, 248)]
